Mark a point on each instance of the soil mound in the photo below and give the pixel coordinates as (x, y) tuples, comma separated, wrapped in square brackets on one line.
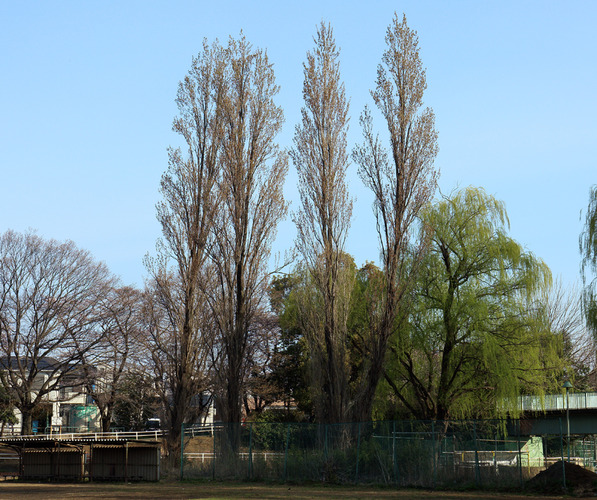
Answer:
[(578, 479)]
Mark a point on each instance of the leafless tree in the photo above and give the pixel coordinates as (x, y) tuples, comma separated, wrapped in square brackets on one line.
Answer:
[(564, 318), (186, 214), (264, 344), (163, 354), (321, 160), (252, 176), (403, 179), (50, 304), (103, 367)]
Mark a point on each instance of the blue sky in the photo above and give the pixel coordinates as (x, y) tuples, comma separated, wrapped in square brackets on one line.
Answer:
[(87, 101)]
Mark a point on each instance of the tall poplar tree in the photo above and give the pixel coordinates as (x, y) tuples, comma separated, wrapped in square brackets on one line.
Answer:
[(403, 180), (322, 223), (250, 187), (178, 338)]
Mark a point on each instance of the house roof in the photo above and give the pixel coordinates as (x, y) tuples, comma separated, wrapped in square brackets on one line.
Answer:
[(45, 363)]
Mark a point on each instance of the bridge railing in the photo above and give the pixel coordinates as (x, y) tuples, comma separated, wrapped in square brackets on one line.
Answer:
[(557, 402)]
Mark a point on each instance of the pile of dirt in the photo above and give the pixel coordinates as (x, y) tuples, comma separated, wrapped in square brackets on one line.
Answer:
[(578, 479)]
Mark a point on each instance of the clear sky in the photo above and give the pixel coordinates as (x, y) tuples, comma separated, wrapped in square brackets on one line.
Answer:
[(87, 101)]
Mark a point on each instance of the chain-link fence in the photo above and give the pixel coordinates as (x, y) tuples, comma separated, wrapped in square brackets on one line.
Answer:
[(488, 453)]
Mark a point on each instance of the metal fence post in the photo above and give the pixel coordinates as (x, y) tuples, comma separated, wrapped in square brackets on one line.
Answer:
[(434, 453), (286, 452), (562, 452), (325, 444), (394, 452), (213, 461), (251, 450), (495, 453), (520, 455), (477, 471), (356, 478), (182, 451)]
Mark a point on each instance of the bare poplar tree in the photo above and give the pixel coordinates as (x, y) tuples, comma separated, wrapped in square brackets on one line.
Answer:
[(403, 179), (50, 305), (190, 202), (252, 177), (321, 160)]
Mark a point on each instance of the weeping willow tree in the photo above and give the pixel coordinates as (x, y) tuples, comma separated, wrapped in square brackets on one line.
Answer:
[(475, 336), (588, 250)]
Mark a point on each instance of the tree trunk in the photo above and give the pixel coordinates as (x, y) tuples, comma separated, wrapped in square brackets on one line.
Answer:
[(26, 421), (178, 412), (173, 444), (106, 418)]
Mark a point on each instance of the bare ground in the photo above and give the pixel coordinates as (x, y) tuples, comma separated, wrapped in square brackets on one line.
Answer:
[(175, 490)]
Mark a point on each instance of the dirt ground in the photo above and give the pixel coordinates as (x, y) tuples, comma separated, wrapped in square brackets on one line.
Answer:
[(174, 490)]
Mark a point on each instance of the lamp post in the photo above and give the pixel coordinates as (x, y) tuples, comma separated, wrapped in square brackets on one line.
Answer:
[(567, 385)]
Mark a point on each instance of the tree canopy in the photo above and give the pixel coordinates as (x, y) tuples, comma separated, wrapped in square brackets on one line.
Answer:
[(475, 335)]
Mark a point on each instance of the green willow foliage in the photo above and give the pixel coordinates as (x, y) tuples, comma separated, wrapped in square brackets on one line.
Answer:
[(475, 337), (477, 332), (588, 250)]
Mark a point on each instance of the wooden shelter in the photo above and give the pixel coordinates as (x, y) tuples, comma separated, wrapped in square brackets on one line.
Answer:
[(90, 459)]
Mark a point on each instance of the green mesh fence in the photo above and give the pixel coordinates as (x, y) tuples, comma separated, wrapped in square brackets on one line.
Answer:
[(402, 453)]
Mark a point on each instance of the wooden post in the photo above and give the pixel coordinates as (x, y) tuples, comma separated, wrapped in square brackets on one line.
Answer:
[(90, 471), (126, 461), (57, 462)]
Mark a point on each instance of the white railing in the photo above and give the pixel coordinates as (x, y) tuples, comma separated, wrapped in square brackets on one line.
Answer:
[(90, 436), (60, 433), (203, 456), (202, 429)]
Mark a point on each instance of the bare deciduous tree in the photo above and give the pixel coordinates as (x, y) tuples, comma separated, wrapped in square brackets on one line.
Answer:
[(252, 177), (264, 344), (321, 160), (186, 214), (564, 318), (50, 304), (165, 345), (403, 179), (104, 367)]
